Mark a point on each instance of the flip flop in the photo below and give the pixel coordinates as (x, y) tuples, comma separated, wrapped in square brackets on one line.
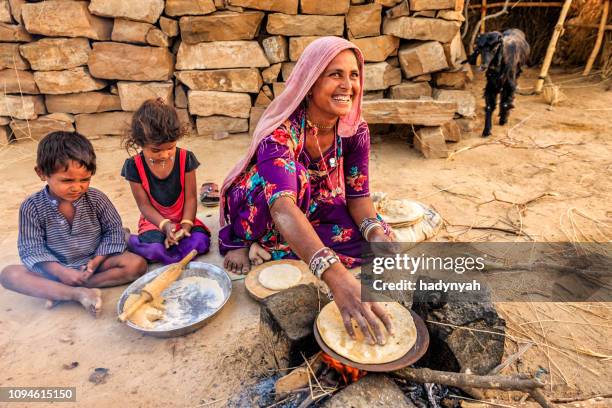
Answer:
[(209, 194)]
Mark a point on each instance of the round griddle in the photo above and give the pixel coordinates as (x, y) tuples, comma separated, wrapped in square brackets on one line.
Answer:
[(260, 292), (413, 355)]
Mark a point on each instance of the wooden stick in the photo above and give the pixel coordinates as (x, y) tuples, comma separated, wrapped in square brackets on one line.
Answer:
[(483, 15), (552, 46), (511, 359), (581, 398), (598, 41), (515, 383), (519, 4), (493, 404), (496, 382), (481, 24)]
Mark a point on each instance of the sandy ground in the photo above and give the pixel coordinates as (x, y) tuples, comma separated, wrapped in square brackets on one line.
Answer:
[(565, 151)]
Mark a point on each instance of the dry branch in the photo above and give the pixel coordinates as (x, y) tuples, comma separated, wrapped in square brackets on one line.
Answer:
[(519, 382), (485, 18), (600, 33), (552, 46), (519, 4), (583, 398), (511, 359)]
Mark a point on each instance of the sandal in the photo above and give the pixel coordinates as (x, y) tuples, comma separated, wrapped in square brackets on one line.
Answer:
[(209, 194)]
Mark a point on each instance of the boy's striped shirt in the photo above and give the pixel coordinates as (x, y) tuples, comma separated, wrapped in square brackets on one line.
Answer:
[(45, 234)]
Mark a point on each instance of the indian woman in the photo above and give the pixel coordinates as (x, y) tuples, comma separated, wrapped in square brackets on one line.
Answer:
[(302, 190)]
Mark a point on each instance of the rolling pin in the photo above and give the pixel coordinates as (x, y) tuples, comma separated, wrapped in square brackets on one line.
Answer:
[(154, 288)]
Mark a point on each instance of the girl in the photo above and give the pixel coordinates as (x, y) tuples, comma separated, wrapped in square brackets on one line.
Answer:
[(163, 181)]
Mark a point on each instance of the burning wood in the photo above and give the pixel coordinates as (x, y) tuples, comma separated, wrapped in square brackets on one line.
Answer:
[(349, 374)]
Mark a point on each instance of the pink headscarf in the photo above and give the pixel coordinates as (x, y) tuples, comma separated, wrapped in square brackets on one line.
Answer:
[(313, 61)]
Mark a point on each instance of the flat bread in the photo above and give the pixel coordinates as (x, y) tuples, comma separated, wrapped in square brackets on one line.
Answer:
[(333, 333), (402, 211), (280, 277)]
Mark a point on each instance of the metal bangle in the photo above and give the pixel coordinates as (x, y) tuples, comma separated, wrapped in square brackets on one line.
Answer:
[(370, 228), (163, 222), (322, 264), (316, 254), (368, 224)]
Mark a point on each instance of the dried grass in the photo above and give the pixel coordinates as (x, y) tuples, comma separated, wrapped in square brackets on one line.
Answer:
[(606, 56), (577, 227), (577, 43)]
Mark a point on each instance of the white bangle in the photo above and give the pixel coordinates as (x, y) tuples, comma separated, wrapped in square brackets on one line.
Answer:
[(163, 222), (369, 229)]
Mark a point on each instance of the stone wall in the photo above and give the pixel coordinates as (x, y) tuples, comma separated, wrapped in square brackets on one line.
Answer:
[(86, 65)]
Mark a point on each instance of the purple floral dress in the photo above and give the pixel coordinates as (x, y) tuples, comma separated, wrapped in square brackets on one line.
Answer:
[(282, 167)]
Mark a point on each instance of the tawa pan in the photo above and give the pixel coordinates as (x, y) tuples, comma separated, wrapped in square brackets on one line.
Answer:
[(194, 311), (413, 355)]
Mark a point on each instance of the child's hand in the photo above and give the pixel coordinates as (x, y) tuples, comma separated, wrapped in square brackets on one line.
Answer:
[(72, 277), (187, 228), (169, 230), (93, 265)]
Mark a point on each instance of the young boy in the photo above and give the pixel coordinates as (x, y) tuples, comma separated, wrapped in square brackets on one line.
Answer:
[(71, 239)]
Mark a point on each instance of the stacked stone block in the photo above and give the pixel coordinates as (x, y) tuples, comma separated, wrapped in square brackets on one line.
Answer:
[(87, 65)]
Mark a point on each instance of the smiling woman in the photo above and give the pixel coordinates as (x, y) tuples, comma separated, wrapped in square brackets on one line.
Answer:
[(302, 189)]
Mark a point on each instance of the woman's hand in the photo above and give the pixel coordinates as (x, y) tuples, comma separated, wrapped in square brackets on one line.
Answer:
[(389, 245), (347, 295), (378, 235)]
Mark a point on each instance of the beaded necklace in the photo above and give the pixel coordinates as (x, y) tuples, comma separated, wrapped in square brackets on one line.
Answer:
[(333, 161)]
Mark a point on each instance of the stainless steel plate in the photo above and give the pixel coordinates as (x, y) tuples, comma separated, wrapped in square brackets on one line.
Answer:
[(193, 308)]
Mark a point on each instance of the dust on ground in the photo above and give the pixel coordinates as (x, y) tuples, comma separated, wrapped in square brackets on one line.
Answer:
[(544, 176)]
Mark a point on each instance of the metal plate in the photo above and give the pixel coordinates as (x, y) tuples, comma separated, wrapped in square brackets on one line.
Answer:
[(194, 312), (412, 356)]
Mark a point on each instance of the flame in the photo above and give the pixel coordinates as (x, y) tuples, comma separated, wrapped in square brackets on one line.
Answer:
[(349, 374)]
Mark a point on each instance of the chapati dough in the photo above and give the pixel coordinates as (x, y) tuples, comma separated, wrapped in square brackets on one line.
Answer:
[(147, 313), (402, 211), (332, 331), (280, 277)]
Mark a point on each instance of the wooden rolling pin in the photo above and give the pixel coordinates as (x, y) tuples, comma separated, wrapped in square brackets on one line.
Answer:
[(154, 288)]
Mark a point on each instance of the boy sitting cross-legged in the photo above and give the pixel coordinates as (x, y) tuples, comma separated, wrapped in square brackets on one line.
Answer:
[(71, 239)]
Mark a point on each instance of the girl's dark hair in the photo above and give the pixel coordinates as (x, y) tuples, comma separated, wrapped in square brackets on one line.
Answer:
[(154, 122), (57, 149)]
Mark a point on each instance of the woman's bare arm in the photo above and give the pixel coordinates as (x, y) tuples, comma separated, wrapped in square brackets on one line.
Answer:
[(361, 208), (304, 241)]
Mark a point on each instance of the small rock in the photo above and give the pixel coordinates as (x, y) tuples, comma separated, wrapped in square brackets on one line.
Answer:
[(220, 135), (70, 366), (99, 375), (374, 390)]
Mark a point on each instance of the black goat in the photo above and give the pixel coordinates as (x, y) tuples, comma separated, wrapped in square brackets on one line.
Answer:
[(502, 56)]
